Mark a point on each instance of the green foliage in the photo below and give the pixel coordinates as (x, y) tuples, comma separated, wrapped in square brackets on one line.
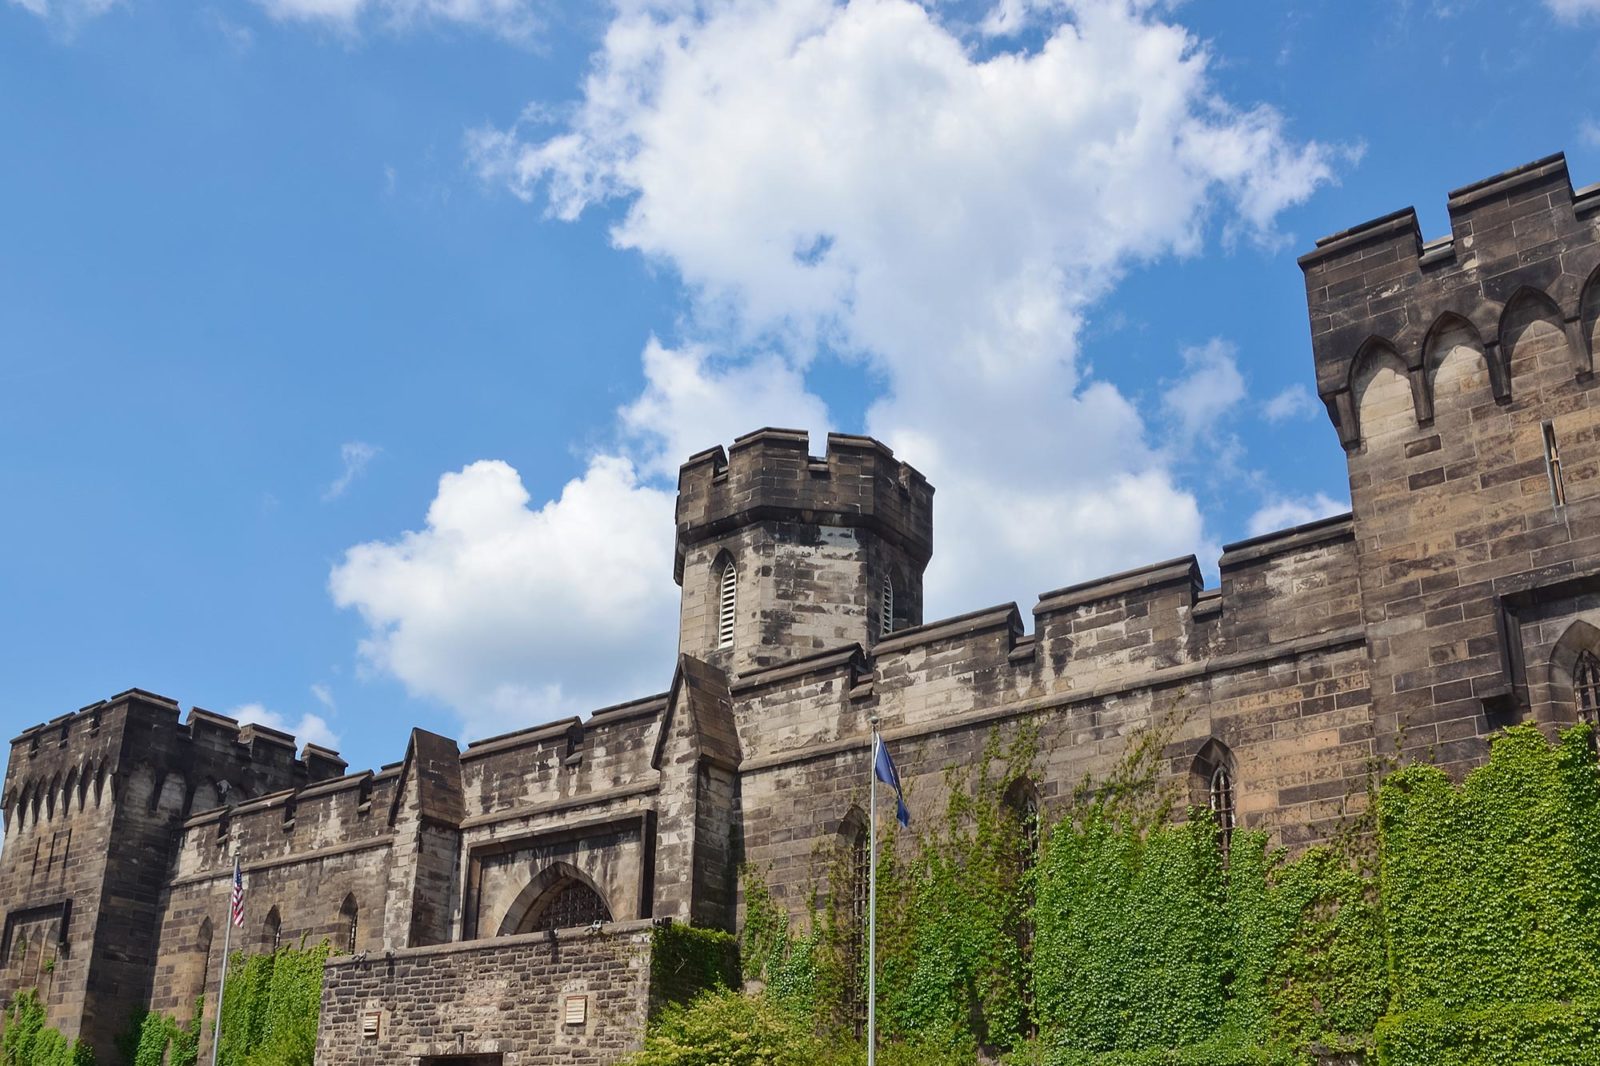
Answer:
[(28, 1041), (1547, 1034), (1492, 890), (155, 1039), (270, 1008), (685, 961), (726, 1028), (773, 953)]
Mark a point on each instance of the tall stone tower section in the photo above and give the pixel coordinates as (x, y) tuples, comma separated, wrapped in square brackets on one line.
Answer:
[(1459, 374), (781, 553), (94, 803)]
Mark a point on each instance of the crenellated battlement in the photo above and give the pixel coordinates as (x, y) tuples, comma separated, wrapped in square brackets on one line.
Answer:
[(770, 474), (1523, 246)]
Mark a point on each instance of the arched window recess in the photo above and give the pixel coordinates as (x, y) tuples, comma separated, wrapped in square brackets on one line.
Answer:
[(727, 601), (560, 897), (349, 923), (886, 607), (1586, 687)]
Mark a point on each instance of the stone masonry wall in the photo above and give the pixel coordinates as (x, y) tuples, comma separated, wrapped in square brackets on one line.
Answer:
[(505, 996)]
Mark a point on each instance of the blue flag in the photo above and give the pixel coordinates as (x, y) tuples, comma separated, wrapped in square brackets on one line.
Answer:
[(883, 766)]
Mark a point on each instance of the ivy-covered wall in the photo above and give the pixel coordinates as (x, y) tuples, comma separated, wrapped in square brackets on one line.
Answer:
[(1469, 934)]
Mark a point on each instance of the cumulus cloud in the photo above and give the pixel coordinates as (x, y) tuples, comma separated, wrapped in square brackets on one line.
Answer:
[(1295, 401), (355, 455), (512, 614), (1210, 387), (947, 220), (512, 19), (1573, 10), (307, 729), (1285, 511)]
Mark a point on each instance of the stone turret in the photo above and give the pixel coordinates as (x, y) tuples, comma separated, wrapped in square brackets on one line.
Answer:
[(823, 551), (1459, 374)]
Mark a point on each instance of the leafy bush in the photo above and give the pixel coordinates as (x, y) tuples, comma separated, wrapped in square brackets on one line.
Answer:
[(727, 1028), (270, 1008), (29, 1042)]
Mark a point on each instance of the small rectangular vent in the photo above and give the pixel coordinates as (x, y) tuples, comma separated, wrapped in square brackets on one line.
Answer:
[(575, 1010), (371, 1024)]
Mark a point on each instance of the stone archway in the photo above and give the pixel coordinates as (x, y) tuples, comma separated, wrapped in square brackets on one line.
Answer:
[(560, 897)]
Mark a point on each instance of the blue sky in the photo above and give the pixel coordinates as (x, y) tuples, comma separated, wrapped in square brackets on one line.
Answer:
[(348, 347)]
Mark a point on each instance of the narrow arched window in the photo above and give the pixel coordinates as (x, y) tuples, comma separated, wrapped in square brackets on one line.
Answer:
[(202, 947), (272, 931), (886, 607), (1222, 804), (859, 858), (727, 603), (1586, 687), (349, 924)]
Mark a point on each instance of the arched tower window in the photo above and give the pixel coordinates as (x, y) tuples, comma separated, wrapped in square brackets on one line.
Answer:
[(727, 603), (1586, 687), (202, 948), (349, 923), (886, 607), (272, 931)]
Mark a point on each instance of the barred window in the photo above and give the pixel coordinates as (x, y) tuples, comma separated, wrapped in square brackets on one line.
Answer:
[(886, 608), (855, 988), (1222, 803), (1586, 687), (349, 917), (568, 904)]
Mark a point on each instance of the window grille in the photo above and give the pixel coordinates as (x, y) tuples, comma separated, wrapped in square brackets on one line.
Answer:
[(572, 904), (1586, 687), (1222, 806), (856, 975), (350, 914), (727, 603), (886, 608)]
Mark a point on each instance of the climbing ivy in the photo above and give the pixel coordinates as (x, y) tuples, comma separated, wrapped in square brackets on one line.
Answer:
[(685, 961), (271, 1004), (28, 1041), (154, 1039)]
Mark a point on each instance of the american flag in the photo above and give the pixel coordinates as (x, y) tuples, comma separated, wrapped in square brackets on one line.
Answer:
[(237, 913)]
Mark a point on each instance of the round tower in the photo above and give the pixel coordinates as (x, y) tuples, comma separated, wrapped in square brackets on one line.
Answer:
[(781, 554)]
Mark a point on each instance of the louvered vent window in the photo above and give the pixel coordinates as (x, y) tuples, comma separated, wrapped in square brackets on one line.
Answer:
[(727, 604), (886, 608)]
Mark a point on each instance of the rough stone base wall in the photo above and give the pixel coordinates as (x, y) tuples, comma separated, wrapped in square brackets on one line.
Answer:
[(500, 997)]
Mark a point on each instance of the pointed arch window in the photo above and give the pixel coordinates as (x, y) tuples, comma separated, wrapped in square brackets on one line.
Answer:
[(567, 904), (349, 923), (1586, 687), (857, 859), (886, 607), (272, 931), (1222, 803), (727, 603)]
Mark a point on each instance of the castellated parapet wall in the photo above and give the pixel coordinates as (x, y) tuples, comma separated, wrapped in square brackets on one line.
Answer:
[(1459, 374)]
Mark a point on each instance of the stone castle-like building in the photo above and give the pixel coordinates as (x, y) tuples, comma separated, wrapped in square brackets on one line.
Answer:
[(461, 887)]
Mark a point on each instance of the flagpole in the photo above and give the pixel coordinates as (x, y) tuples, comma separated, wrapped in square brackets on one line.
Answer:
[(222, 981), (872, 900)]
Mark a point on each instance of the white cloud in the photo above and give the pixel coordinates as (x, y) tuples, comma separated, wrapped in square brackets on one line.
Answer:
[(1295, 401), (66, 15), (692, 402), (355, 455), (1211, 386), (512, 614), (308, 729), (1573, 10), (324, 695), (850, 174), (1283, 512), (512, 19), (1589, 129)]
